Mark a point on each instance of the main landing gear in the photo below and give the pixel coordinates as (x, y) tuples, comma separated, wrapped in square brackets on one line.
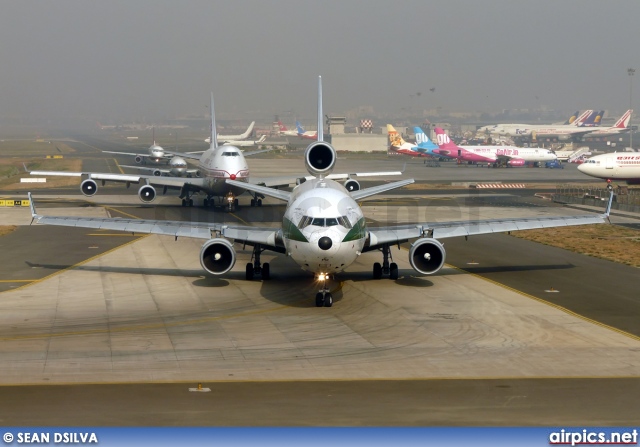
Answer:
[(385, 268), (255, 268), (256, 199), (185, 195), (323, 297)]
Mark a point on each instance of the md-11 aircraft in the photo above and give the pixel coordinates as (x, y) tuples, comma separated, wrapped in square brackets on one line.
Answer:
[(323, 230)]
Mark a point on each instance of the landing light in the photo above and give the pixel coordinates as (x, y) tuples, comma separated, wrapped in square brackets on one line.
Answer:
[(322, 276)]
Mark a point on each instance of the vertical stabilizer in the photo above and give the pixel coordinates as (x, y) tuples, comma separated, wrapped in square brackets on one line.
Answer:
[(579, 120), (623, 122), (320, 115), (214, 132)]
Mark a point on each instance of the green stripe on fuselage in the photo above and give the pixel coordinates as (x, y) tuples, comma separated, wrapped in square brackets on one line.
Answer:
[(291, 232), (359, 231)]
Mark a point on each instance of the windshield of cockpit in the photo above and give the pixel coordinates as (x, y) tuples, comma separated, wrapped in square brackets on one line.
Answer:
[(324, 221)]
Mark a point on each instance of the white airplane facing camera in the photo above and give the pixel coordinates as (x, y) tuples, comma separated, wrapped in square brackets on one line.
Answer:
[(323, 229)]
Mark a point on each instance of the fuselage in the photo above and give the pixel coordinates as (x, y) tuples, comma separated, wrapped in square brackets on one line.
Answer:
[(218, 164), (323, 227), (615, 166), (526, 154)]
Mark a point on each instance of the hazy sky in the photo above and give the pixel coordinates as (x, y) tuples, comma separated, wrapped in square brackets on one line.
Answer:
[(131, 59)]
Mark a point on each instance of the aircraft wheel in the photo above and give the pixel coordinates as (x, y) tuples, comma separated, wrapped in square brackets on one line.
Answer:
[(328, 300), (266, 272), (236, 203), (377, 270), (205, 203), (249, 271), (190, 202), (259, 202), (319, 300), (393, 271), (184, 202), (253, 202)]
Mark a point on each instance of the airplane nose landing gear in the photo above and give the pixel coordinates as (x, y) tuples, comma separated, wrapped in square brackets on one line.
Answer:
[(323, 297)]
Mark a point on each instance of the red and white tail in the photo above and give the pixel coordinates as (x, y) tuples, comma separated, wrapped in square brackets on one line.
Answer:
[(623, 122), (282, 127)]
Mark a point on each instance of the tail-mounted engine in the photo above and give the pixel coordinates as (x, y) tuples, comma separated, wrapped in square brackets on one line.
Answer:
[(320, 158), (427, 256), (217, 256), (88, 187), (352, 185), (147, 193)]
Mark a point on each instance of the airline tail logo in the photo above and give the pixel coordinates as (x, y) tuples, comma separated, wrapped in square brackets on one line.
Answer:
[(281, 126), (623, 122), (394, 137), (422, 138), (442, 139)]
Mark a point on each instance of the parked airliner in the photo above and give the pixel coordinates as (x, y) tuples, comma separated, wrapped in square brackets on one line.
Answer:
[(323, 230), (623, 166), (423, 146)]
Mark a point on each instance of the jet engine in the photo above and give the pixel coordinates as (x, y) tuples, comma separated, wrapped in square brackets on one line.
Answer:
[(217, 256), (147, 193), (427, 255), (89, 187), (157, 172), (351, 185), (516, 162), (320, 158), (138, 159)]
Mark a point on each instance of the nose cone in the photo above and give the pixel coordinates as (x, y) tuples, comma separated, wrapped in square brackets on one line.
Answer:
[(582, 168), (325, 243)]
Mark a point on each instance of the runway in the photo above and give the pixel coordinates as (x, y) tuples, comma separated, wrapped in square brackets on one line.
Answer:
[(418, 349)]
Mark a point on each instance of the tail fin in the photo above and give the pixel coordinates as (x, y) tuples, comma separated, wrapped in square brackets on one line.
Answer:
[(282, 127), (395, 139), (262, 138), (589, 121), (422, 139), (572, 118), (248, 131), (214, 132), (598, 119), (623, 122), (299, 128), (320, 115), (443, 140), (584, 116)]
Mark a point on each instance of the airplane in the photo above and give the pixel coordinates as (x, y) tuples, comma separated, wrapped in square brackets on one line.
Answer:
[(234, 138), (323, 230), (214, 165), (624, 166), (567, 132), (282, 130), (244, 143), (492, 155), (594, 120), (423, 147), (527, 130), (155, 153), (306, 134), (177, 168), (572, 118)]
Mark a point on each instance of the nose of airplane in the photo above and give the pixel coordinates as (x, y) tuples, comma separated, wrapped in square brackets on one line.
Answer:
[(325, 243)]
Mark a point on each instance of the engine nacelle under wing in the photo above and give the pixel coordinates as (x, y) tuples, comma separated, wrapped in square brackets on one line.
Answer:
[(147, 193), (138, 159), (427, 256), (352, 185), (320, 158), (217, 256), (516, 162), (89, 187)]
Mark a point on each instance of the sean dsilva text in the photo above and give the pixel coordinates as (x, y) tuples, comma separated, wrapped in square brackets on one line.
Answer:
[(57, 438)]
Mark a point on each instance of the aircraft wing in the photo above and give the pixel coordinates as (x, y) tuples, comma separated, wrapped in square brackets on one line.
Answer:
[(188, 155), (292, 180), (269, 237), (131, 154), (162, 171), (248, 154), (366, 192), (175, 182), (440, 230), (275, 193)]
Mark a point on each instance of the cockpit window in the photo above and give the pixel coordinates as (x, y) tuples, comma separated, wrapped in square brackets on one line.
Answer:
[(230, 154), (324, 221)]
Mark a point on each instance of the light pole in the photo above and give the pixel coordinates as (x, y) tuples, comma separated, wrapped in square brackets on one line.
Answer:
[(631, 72)]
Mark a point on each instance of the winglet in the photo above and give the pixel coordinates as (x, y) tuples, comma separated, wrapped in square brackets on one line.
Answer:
[(34, 215), (608, 210), (320, 136)]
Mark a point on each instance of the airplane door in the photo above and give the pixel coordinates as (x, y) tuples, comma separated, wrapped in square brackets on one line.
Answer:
[(459, 153), (608, 163)]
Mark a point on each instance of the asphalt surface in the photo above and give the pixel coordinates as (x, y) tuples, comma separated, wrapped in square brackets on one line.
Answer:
[(599, 290)]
